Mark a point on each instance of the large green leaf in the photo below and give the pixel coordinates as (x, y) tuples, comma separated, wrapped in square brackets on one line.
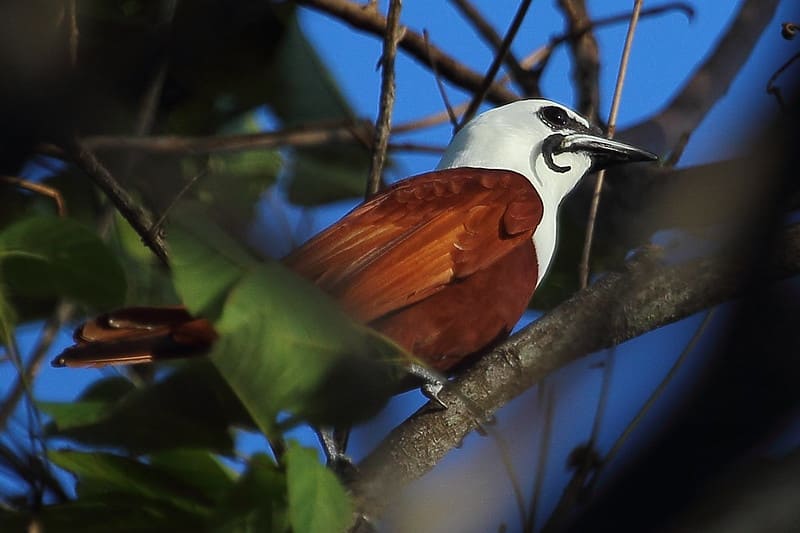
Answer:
[(196, 468), (117, 514), (47, 257), (205, 261), (103, 474), (256, 503), (284, 345), (190, 408), (317, 501)]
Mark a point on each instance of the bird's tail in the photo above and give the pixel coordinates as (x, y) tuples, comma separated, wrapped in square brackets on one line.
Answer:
[(138, 335)]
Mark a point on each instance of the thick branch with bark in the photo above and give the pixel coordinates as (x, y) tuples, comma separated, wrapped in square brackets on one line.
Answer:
[(619, 307)]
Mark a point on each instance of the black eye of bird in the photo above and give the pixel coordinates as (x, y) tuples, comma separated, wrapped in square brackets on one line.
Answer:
[(555, 116)]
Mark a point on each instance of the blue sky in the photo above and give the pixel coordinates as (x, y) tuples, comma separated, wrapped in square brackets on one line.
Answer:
[(666, 51)]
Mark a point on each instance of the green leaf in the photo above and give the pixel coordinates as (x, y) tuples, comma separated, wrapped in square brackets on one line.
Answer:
[(7, 316), (190, 408), (256, 503), (205, 261), (68, 415), (285, 346), (199, 469), (45, 257), (110, 513), (317, 501), (103, 474)]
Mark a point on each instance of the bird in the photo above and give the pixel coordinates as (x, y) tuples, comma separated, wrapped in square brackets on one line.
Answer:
[(444, 263)]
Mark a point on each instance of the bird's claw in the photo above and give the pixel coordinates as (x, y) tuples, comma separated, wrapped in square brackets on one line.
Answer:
[(432, 383), (431, 391)]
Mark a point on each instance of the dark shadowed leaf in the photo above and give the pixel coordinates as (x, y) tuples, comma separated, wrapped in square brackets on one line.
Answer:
[(190, 408), (103, 474), (317, 501), (112, 513), (92, 406), (257, 502), (45, 257), (198, 469)]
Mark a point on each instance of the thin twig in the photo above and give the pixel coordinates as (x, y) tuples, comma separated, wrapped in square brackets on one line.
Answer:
[(546, 398), (24, 385), (72, 20), (371, 21), (488, 79), (620, 306), (431, 120), (188, 185), (140, 219), (583, 269), (521, 76), (602, 401), (584, 458), (438, 118), (60, 316), (38, 188), (417, 147), (508, 465), (440, 85), (774, 89), (693, 101), (651, 400), (328, 132), (586, 55), (578, 31), (384, 121)]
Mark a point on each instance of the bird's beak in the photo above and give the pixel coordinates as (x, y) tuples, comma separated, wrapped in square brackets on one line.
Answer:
[(604, 152)]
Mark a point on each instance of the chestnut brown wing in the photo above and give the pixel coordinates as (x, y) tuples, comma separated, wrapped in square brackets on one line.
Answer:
[(138, 335), (414, 239)]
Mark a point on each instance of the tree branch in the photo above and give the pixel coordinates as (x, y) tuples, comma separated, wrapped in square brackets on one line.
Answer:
[(586, 70), (709, 83), (306, 135), (413, 43), (583, 268), (383, 123), (140, 219), (618, 307), (524, 78), (488, 79)]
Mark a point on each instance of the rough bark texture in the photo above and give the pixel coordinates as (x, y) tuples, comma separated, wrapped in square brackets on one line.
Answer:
[(617, 308)]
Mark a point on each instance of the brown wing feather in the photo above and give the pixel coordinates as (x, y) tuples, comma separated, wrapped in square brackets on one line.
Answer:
[(138, 335), (444, 230), (418, 236)]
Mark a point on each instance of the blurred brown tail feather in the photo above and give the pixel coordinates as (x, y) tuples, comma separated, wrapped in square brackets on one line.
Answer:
[(138, 335)]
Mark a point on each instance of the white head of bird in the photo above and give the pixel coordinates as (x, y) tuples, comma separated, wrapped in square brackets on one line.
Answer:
[(551, 145)]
